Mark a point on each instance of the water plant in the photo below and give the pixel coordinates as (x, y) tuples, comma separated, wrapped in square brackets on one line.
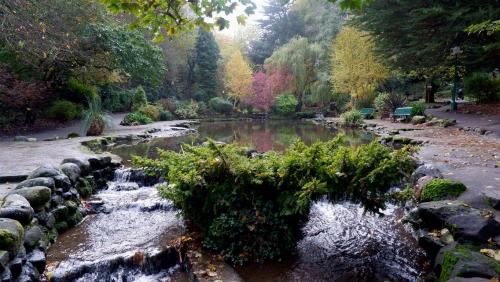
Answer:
[(351, 118), (252, 208)]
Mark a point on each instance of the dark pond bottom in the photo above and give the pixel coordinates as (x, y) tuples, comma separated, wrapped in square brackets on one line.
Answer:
[(342, 244), (259, 135)]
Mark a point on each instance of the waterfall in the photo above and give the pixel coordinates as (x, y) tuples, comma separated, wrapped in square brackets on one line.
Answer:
[(122, 175)]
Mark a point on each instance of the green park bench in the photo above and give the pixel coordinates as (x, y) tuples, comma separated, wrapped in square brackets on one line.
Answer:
[(404, 112), (367, 112)]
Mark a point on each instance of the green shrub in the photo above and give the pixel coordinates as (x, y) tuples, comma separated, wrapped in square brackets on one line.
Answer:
[(79, 92), (386, 103), (342, 101), (351, 118), (166, 115), (439, 189), (168, 104), (418, 108), (64, 110), (139, 99), (187, 109), (480, 87), (151, 111), (286, 103), (252, 208), (200, 95), (308, 114), (365, 96), (220, 105), (136, 117), (116, 99)]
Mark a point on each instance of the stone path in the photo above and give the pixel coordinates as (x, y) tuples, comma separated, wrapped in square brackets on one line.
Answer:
[(488, 122), (465, 156), (20, 158)]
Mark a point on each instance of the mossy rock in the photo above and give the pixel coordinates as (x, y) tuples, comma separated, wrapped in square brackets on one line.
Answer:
[(60, 213), (85, 187), (11, 235), (37, 196), (440, 189), (466, 261), (72, 207), (75, 219), (61, 226)]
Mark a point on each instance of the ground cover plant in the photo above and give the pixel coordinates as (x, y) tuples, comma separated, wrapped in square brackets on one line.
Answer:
[(249, 209)]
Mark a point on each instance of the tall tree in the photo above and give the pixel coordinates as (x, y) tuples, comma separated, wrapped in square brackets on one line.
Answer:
[(237, 77), (355, 67), (205, 68), (173, 16), (279, 25), (300, 57), (417, 35)]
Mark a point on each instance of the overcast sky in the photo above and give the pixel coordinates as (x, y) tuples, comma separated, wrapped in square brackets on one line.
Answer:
[(234, 27)]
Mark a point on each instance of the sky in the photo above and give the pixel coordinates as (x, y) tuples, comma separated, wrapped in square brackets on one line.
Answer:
[(235, 28)]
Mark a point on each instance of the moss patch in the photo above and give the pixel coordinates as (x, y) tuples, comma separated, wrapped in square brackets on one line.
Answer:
[(72, 206), (449, 263), (85, 187), (439, 189)]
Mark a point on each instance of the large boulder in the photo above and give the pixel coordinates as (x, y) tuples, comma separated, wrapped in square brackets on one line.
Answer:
[(39, 181), (45, 171), (71, 170), (37, 196), (84, 165), (17, 207), (464, 222), (37, 258), (418, 119), (426, 169), (32, 237), (492, 198), (62, 181), (100, 162), (465, 261), (421, 182), (11, 235)]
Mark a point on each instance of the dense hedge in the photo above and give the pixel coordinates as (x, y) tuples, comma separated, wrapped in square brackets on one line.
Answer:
[(220, 105), (253, 208), (135, 118), (63, 110)]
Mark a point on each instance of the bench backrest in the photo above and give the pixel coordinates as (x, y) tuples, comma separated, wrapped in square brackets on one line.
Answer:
[(367, 111), (405, 111)]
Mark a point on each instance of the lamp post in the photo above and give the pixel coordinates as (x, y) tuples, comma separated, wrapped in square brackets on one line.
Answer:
[(455, 51)]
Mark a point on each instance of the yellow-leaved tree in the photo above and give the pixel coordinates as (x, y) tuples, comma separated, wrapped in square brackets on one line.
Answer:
[(356, 70), (237, 77)]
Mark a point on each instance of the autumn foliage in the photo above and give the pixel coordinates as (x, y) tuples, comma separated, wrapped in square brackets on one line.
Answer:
[(267, 86), (18, 94)]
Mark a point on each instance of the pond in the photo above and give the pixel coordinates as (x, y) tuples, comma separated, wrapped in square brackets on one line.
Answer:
[(260, 135), (340, 242)]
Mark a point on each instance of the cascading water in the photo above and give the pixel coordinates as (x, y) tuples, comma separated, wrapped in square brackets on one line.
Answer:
[(342, 244), (126, 239)]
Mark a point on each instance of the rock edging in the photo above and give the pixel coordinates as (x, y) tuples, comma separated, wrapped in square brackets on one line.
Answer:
[(44, 205)]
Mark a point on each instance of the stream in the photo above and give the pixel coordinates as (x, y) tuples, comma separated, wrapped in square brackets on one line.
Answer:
[(127, 237)]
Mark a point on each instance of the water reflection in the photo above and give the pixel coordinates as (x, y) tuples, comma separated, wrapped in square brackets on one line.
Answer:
[(259, 135)]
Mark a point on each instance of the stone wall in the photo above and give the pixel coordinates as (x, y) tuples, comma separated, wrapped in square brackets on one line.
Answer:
[(40, 208)]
